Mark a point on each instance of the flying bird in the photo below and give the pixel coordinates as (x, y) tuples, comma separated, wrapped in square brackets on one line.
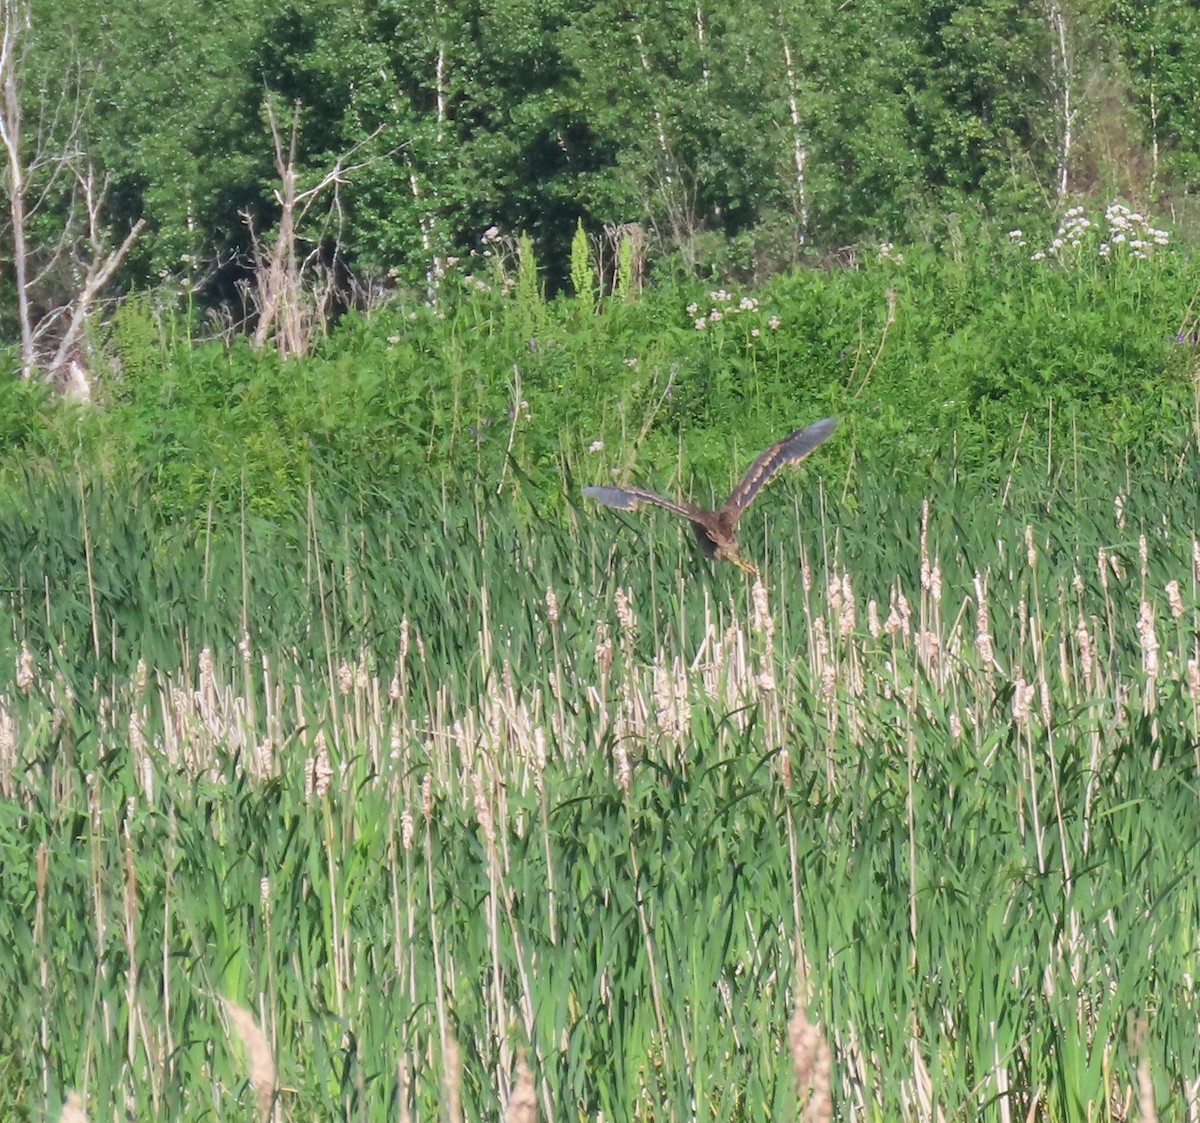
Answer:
[(715, 529)]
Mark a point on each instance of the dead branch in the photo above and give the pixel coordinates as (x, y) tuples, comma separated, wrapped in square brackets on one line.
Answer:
[(292, 297)]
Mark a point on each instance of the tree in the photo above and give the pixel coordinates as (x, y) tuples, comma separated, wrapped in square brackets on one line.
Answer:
[(49, 175), (289, 309)]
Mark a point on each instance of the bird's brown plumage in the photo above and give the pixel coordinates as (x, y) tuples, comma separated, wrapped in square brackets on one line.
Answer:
[(715, 529)]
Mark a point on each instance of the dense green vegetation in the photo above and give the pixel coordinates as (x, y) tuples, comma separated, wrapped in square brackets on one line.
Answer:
[(322, 695), (584, 794), (349, 764), (937, 359)]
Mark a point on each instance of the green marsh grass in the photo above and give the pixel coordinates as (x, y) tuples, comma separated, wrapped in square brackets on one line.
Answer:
[(911, 830)]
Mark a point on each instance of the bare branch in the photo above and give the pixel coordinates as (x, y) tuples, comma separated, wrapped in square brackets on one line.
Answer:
[(293, 296), (99, 274)]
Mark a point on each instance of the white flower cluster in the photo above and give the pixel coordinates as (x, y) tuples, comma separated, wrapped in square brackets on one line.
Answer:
[(888, 252), (723, 305), (1124, 228), (1071, 232)]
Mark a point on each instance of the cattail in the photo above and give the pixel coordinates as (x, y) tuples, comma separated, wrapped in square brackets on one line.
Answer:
[(260, 1062), (873, 626), (785, 770), (935, 582), (1144, 555), (1147, 1110), (407, 829), (848, 617), (1175, 599), (764, 622), (833, 594), (345, 677), (955, 726), (899, 614), (318, 772), (483, 811), (1084, 639), (665, 716), (983, 624), (453, 1081), (427, 796), (1119, 510), (137, 738), (621, 767), (820, 640), (25, 670), (625, 614), (137, 746), (812, 1063), (551, 605), (1030, 548), (1044, 698), (1102, 566), (1022, 696), (1147, 638), (539, 751), (8, 743), (264, 891), (893, 624), (604, 649), (208, 677), (522, 1103), (244, 647), (263, 758), (1196, 560), (1193, 678), (828, 683), (72, 1111), (925, 544), (402, 1086)]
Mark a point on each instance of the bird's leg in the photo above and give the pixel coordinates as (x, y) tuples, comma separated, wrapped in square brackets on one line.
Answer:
[(743, 564)]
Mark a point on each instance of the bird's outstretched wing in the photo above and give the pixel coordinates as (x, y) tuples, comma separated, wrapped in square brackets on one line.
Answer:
[(626, 498), (790, 450)]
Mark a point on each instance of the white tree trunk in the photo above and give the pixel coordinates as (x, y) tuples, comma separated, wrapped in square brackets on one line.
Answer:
[(658, 118), (15, 16), (1062, 68), (799, 151)]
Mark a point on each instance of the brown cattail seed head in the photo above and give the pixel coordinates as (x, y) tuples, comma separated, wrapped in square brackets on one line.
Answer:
[(1175, 599), (25, 670)]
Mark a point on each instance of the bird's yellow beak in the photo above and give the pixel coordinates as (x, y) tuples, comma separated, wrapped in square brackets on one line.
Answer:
[(743, 564)]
